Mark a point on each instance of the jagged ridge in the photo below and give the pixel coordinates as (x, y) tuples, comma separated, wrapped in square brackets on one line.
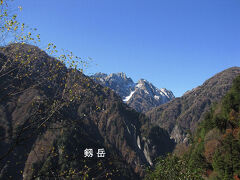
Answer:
[(142, 96)]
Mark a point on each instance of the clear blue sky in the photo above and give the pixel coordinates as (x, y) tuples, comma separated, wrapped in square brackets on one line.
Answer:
[(176, 44)]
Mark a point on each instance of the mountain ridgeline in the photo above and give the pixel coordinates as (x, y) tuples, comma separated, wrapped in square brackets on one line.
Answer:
[(142, 96), (216, 146), (214, 152), (49, 115), (181, 116)]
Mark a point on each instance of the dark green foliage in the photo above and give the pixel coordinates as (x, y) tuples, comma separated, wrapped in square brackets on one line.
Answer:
[(174, 168), (208, 123), (220, 122), (232, 100), (197, 158), (226, 160)]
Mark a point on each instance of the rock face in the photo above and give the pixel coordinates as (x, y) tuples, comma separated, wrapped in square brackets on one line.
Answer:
[(118, 82), (142, 96), (182, 115), (50, 114)]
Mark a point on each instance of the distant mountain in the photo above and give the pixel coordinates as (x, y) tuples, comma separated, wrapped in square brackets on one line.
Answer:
[(142, 96), (182, 115)]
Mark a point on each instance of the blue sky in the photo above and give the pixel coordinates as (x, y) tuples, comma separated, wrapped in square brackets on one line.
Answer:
[(176, 44)]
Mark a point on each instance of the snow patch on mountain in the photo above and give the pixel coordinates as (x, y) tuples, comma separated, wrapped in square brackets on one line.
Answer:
[(139, 85), (157, 97), (128, 97)]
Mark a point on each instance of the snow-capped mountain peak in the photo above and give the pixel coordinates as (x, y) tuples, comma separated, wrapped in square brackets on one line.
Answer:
[(142, 95)]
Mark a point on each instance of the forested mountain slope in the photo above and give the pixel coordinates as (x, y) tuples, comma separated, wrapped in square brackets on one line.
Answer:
[(183, 114), (50, 114), (214, 152)]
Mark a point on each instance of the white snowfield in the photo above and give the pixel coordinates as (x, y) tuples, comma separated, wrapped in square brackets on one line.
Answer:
[(129, 97)]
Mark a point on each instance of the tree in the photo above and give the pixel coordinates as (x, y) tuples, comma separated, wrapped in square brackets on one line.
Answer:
[(175, 168), (25, 72)]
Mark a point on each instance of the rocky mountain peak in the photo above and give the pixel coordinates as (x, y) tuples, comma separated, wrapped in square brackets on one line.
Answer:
[(141, 96), (101, 75), (120, 75), (142, 81), (144, 84)]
